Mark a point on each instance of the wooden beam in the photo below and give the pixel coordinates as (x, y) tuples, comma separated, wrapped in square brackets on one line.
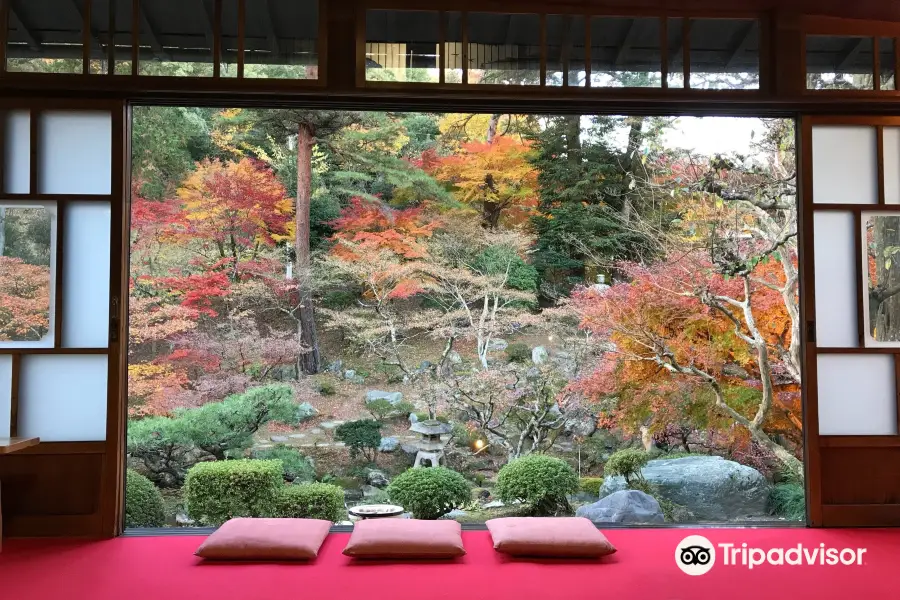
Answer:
[(271, 35), (152, 37), (208, 26), (627, 42), (744, 38), (30, 37), (851, 51), (510, 30), (90, 33)]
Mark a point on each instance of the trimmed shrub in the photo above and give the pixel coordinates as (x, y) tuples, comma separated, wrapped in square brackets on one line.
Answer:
[(295, 466), (217, 491), (518, 353), (362, 437), (504, 260), (310, 501), (542, 482), (627, 463), (429, 493), (590, 485), (382, 409), (143, 503), (325, 387), (424, 416)]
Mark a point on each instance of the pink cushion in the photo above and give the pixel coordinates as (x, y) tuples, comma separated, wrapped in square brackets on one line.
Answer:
[(405, 538), (565, 537), (266, 539)]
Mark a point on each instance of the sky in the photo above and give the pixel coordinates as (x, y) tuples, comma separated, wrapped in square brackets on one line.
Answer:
[(714, 135)]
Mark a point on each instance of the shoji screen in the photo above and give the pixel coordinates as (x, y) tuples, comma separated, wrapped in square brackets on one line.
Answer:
[(851, 231), (61, 231)]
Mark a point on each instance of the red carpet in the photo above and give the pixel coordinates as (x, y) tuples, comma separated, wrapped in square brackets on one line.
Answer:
[(164, 568)]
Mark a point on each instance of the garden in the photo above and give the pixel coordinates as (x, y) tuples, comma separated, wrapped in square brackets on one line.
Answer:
[(549, 315)]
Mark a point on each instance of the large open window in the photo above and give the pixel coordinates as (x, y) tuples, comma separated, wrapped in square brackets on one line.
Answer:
[(483, 292)]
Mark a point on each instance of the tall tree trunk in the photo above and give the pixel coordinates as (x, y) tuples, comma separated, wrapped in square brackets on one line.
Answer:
[(2, 230), (632, 165), (573, 139), (308, 359), (493, 123)]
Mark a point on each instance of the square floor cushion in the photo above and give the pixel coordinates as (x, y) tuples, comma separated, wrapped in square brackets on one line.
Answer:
[(562, 537), (265, 539), (405, 538)]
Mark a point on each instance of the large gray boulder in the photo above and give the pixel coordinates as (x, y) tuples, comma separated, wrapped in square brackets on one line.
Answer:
[(626, 506), (539, 355), (394, 398), (712, 488)]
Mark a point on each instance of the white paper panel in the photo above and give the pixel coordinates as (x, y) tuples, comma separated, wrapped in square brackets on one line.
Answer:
[(75, 152), (17, 167), (86, 275), (62, 398), (845, 165), (892, 165), (5, 393), (857, 394), (836, 272)]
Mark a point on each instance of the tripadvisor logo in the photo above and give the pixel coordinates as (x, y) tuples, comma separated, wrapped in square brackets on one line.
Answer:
[(696, 555)]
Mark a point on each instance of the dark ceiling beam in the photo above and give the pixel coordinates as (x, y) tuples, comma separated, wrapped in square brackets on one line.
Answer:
[(33, 44), (95, 40), (155, 45), (851, 51), (208, 28), (510, 29), (626, 44), (271, 35), (744, 38)]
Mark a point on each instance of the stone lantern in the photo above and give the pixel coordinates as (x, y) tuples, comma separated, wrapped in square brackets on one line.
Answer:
[(430, 446)]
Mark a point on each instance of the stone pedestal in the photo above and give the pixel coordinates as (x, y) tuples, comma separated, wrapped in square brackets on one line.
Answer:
[(435, 456)]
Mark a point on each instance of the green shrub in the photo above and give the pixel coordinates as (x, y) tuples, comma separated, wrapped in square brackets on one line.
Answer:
[(143, 503), (424, 416), (382, 409), (217, 491), (338, 299), (295, 466), (325, 387), (429, 493), (362, 437), (590, 484), (463, 437), (627, 463), (518, 353), (788, 500), (542, 482), (504, 260), (310, 501)]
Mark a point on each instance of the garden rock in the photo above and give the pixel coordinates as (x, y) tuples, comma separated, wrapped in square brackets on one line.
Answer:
[(409, 449), (377, 478), (335, 367), (494, 504), (626, 506), (306, 411), (394, 398), (539, 355), (454, 514), (712, 488), (349, 374), (498, 344), (184, 520), (454, 357), (584, 427), (279, 439), (370, 491), (413, 418), (388, 444)]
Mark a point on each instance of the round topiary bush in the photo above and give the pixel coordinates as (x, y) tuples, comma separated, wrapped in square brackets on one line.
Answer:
[(541, 482), (429, 493), (143, 503), (310, 501)]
